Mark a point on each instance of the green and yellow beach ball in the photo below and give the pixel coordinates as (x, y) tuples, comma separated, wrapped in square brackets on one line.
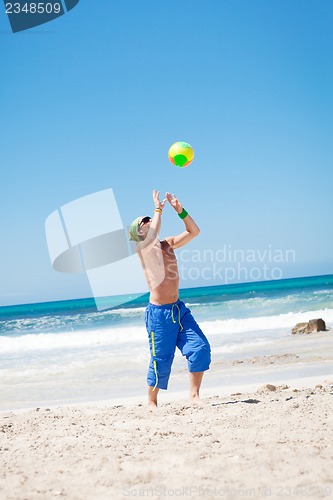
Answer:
[(181, 154)]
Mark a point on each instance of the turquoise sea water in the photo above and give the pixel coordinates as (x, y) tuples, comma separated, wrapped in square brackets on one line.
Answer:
[(243, 300), (68, 351)]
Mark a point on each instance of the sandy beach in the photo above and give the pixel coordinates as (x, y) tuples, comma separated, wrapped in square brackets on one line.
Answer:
[(275, 441), (75, 424)]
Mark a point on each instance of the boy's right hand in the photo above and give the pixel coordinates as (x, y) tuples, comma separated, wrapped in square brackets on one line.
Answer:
[(156, 197)]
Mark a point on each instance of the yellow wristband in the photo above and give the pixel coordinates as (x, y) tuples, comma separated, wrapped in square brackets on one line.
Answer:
[(158, 210)]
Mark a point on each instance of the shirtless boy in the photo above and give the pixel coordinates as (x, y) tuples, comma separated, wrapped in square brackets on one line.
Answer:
[(169, 322)]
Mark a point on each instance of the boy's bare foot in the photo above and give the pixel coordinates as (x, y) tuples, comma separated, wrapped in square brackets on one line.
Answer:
[(195, 400), (152, 405)]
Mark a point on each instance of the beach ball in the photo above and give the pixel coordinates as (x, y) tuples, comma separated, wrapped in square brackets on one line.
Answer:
[(181, 154)]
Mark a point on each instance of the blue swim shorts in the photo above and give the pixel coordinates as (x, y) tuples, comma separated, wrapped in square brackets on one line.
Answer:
[(169, 326)]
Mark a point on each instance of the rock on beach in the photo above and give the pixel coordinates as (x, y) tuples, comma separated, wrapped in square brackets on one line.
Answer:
[(314, 325)]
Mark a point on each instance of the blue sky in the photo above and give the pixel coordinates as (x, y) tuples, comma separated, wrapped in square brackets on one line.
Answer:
[(94, 99)]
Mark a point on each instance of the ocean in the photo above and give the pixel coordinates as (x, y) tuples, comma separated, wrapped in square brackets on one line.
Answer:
[(68, 352)]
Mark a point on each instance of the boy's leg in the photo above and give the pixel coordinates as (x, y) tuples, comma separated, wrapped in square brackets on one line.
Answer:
[(194, 345), (152, 396), (162, 334), (195, 383)]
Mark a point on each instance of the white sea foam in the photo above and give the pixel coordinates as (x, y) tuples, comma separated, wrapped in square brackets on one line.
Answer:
[(264, 323), (73, 339), (123, 337)]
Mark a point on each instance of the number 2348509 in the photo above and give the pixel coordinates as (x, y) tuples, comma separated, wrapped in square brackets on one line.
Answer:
[(33, 8)]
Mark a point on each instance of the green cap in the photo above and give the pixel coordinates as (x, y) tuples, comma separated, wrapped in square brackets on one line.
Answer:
[(134, 228)]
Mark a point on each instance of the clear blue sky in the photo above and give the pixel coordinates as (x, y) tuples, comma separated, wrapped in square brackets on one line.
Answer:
[(95, 98)]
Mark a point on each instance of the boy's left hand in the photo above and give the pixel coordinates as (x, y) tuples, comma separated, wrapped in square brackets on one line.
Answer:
[(174, 202)]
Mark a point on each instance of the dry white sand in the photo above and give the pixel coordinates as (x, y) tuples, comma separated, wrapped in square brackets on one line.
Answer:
[(272, 444)]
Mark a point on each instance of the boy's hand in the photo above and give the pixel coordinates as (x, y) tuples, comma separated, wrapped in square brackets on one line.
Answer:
[(157, 202), (174, 202)]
